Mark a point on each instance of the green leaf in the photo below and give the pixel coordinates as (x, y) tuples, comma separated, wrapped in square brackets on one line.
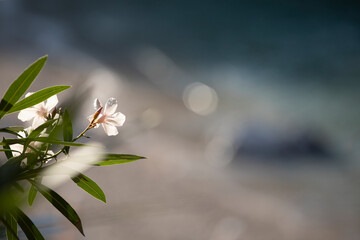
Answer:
[(31, 173), (67, 130), (32, 195), (12, 130), (60, 204), (59, 142), (11, 227), (20, 85), (14, 160), (7, 150), (45, 140), (16, 128), (36, 132), (9, 171), (113, 158), (37, 97), (12, 141), (27, 225), (18, 187), (33, 192), (89, 186)]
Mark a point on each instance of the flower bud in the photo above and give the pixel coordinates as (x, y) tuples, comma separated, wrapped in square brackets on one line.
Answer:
[(96, 114), (52, 115)]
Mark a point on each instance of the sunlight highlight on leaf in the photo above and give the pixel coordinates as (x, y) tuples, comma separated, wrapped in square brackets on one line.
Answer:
[(79, 161)]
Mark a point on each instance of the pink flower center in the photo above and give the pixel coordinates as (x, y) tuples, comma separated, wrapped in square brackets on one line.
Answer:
[(42, 112)]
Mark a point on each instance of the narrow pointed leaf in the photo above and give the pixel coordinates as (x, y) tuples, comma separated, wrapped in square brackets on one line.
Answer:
[(20, 85), (33, 192), (16, 128), (28, 227), (9, 171), (37, 97), (11, 227), (32, 195), (59, 142), (31, 173), (60, 204), (89, 186), (12, 130), (43, 139), (113, 158), (14, 161), (36, 132), (7, 149), (67, 130), (18, 187)]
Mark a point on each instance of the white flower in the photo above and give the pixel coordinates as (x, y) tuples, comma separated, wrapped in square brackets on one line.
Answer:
[(38, 112), (108, 118), (19, 148)]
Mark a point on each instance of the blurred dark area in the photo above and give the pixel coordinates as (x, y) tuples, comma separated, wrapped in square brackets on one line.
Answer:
[(246, 110), (303, 40), (270, 144)]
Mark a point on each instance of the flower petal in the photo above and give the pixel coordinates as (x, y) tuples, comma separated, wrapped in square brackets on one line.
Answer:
[(110, 106), (16, 147), (97, 104), (117, 119), (51, 103), (22, 134), (109, 129), (49, 153), (38, 120), (27, 114)]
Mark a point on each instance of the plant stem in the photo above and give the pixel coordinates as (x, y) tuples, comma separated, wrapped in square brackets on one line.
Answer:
[(83, 132), (91, 125)]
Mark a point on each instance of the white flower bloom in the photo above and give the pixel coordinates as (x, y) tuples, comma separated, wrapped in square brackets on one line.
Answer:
[(19, 148), (16, 147), (38, 112), (108, 118)]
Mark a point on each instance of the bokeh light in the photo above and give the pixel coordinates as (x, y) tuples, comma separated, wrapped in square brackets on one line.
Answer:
[(200, 98)]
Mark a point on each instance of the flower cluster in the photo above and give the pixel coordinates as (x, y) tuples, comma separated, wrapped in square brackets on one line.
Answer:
[(49, 136), (107, 117), (40, 113)]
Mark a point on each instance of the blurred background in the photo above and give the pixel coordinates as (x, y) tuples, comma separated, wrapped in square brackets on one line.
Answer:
[(248, 113)]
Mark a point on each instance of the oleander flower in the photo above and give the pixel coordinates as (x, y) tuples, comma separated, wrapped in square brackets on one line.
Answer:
[(19, 148), (39, 112), (107, 117)]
